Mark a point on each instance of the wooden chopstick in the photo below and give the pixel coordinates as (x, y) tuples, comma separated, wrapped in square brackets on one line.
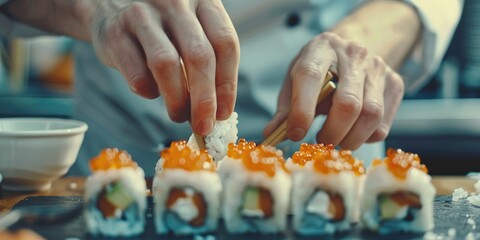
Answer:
[(280, 133), (200, 141)]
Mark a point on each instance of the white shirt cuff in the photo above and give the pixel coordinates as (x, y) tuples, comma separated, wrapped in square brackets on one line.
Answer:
[(439, 22)]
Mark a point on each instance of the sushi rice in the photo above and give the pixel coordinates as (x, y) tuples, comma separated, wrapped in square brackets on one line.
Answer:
[(216, 142), (380, 180), (133, 180)]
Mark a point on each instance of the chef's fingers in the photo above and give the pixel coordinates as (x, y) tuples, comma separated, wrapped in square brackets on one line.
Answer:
[(393, 95), (125, 54), (282, 109), (199, 59), (372, 111), (163, 61), (224, 40), (283, 103), (307, 76), (348, 97)]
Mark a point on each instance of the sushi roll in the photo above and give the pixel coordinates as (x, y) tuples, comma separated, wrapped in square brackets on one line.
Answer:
[(186, 191), (216, 142), (115, 195), (398, 195), (257, 189), (325, 189), (300, 158), (231, 161)]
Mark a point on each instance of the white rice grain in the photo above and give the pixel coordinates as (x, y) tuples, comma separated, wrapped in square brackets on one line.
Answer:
[(477, 186), (216, 142), (452, 232), (458, 194), (470, 236), (474, 200)]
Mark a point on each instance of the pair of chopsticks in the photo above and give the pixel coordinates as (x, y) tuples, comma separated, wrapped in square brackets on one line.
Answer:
[(280, 133)]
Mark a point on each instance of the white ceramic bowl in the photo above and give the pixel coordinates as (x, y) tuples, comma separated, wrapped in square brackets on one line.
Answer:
[(36, 151)]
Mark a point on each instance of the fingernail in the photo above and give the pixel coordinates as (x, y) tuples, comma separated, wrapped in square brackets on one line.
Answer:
[(223, 111), (296, 134), (206, 126)]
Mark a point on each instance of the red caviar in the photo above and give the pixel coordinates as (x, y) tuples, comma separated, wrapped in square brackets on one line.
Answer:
[(241, 150), (179, 155), (399, 162), (257, 158), (112, 158), (307, 151), (337, 161)]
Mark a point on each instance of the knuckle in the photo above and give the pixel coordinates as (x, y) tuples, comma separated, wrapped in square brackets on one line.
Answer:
[(137, 80), (137, 12), (163, 60), (226, 43), (378, 61), (372, 111), (380, 133), (113, 36), (226, 87), (356, 50), (378, 65), (302, 117), (207, 101), (207, 104), (200, 55), (123, 66), (349, 105), (173, 5), (327, 39), (177, 105), (396, 82), (142, 85), (306, 71), (328, 36)]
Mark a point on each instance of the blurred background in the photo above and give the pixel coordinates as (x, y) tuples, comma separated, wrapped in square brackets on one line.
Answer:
[(440, 122)]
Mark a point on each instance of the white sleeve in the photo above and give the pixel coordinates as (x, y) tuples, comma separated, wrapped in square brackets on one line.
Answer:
[(439, 21)]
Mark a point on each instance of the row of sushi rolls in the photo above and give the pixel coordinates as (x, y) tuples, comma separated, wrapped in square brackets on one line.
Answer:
[(254, 187)]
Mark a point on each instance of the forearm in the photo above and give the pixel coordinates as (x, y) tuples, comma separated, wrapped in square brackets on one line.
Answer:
[(56, 16), (389, 29)]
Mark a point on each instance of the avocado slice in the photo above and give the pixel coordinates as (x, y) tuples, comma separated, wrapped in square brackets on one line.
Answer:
[(389, 209), (251, 199), (119, 196)]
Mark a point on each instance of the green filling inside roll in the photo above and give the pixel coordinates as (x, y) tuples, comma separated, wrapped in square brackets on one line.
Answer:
[(113, 200), (257, 203), (397, 205)]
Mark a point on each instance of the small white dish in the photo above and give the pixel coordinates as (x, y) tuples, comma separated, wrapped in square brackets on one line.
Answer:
[(36, 151)]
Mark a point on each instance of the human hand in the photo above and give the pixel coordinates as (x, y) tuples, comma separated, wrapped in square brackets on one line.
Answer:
[(361, 109), (145, 41)]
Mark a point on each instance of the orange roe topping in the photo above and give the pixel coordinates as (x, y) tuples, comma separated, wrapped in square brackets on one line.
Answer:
[(112, 158), (179, 155), (241, 150), (399, 162), (307, 151), (257, 158), (337, 161)]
